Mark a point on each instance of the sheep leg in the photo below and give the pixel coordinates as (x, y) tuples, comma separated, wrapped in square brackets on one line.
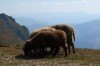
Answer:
[(72, 44), (43, 52), (68, 47), (65, 50), (56, 51)]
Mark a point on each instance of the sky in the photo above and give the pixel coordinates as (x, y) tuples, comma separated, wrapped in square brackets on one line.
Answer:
[(42, 6)]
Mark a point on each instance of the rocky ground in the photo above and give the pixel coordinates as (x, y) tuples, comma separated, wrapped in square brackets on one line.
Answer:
[(13, 56)]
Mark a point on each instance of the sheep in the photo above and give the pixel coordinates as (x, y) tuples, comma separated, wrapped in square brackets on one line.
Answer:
[(39, 30), (70, 35), (53, 39)]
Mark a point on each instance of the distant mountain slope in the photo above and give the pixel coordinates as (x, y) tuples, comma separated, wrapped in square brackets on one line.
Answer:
[(25, 21), (61, 17), (31, 23), (10, 31), (38, 25), (7, 37), (88, 34)]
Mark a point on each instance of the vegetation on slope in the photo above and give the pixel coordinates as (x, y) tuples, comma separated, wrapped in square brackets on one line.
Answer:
[(10, 31), (13, 56)]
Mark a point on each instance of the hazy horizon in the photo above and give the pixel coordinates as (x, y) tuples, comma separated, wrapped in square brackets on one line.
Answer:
[(72, 11), (38, 6)]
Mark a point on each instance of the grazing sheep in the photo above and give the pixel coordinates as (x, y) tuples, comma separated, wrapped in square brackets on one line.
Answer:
[(53, 39), (70, 34), (39, 30)]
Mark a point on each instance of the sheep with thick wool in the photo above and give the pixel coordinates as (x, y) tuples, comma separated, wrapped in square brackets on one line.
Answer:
[(53, 39)]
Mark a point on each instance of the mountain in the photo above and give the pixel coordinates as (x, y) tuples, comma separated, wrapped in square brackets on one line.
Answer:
[(26, 21), (38, 25), (88, 34), (61, 17), (10, 31), (32, 24)]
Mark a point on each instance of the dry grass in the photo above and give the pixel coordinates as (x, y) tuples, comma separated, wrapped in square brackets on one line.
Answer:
[(13, 56)]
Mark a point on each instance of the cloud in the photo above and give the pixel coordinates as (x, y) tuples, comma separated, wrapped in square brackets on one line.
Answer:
[(48, 6), (43, 3), (85, 1), (55, 3), (24, 4), (80, 2)]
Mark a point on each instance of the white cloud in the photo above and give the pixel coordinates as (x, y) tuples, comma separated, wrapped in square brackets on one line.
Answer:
[(43, 6), (23, 4), (85, 1)]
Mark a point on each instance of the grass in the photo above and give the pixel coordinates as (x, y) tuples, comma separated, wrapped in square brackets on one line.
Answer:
[(13, 56)]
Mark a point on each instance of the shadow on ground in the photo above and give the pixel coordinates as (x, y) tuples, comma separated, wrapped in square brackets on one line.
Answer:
[(33, 56), (21, 56)]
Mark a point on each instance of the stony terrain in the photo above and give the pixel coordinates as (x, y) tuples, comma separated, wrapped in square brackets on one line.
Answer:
[(13, 56)]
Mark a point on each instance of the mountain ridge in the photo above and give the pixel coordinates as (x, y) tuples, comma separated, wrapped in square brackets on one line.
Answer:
[(10, 31), (31, 23), (88, 34)]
